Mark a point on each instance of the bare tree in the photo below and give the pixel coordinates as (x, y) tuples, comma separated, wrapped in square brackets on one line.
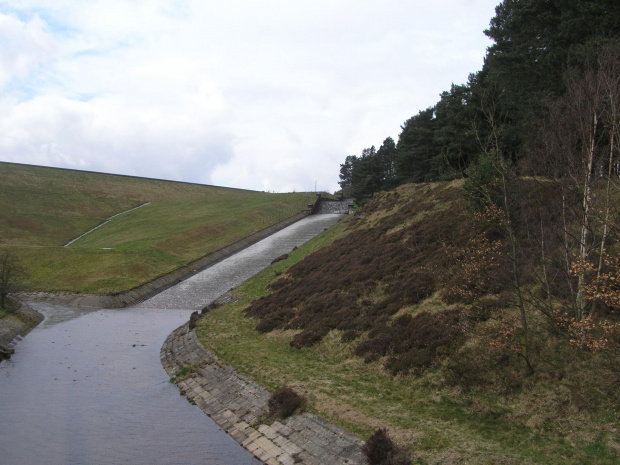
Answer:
[(11, 275), (577, 158), (492, 189)]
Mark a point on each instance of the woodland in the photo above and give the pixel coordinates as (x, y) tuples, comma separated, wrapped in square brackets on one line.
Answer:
[(535, 136), (543, 50)]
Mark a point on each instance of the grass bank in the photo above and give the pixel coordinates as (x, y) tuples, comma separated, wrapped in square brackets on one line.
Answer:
[(15, 320), (565, 413), (357, 396), (42, 209)]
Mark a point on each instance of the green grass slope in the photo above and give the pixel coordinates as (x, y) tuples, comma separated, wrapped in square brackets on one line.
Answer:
[(42, 209), (361, 321)]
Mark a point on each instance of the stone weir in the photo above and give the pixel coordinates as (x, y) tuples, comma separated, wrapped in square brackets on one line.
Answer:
[(331, 206), (237, 405)]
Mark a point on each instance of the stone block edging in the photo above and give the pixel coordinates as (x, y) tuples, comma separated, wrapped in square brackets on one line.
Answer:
[(12, 330), (237, 404)]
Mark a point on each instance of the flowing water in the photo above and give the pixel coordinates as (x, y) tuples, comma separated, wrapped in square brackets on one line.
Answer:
[(87, 387)]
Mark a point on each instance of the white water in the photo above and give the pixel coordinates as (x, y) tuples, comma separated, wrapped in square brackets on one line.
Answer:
[(202, 288), (87, 387)]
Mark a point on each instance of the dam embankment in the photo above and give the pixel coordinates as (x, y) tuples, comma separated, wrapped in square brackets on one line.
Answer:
[(148, 290)]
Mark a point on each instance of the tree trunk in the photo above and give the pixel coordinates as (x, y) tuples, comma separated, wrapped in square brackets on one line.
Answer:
[(514, 258), (585, 222)]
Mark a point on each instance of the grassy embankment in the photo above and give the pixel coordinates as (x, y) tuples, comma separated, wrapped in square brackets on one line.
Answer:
[(564, 413), (42, 209)]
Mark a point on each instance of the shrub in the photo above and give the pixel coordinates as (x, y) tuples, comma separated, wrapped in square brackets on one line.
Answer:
[(280, 258), (308, 338), (415, 359), (268, 324), (479, 366), (379, 345), (413, 342), (349, 336), (211, 306), (193, 319), (379, 449), (274, 321), (278, 284), (284, 402)]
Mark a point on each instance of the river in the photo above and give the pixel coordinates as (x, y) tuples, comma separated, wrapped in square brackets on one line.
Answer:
[(87, 387)]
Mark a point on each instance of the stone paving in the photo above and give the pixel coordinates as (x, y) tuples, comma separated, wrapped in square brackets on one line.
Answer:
[(237, 404)]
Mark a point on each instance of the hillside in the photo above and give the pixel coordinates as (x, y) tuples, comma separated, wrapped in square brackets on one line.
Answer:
[(405, 317), (43, 209)]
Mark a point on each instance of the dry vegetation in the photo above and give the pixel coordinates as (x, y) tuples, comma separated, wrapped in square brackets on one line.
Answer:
[(406, 319)]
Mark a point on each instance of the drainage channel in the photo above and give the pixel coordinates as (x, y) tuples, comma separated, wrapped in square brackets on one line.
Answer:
[(88, 386)]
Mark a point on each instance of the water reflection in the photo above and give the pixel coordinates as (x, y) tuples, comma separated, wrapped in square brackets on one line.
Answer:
[(88, 388)]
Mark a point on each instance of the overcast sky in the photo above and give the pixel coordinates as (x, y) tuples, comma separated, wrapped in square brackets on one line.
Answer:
[(259, 94)]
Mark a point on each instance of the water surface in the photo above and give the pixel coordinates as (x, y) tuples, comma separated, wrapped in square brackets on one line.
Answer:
[(87, 387), (91, 390)]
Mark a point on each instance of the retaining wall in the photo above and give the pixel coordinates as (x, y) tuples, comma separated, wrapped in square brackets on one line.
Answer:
[(237, 405), (15, 326)]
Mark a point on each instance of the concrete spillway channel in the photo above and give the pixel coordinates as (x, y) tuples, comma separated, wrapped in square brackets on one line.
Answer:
[(87, 385), (234, 402), (201, 289)]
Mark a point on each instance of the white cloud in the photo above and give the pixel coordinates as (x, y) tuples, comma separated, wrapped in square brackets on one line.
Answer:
[(107, 134), (24, 45), (268, 95)]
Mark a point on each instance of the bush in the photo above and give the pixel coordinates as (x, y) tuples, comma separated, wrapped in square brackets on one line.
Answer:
[(414, 360), (274, 321), (211, 306), (379, 345), (349, 335), (413, 342), (193, 320), (379, 449), (308, 338), (284, 402), (482, 366)]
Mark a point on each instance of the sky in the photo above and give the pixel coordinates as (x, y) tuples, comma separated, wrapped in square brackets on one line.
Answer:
[(267, 95)]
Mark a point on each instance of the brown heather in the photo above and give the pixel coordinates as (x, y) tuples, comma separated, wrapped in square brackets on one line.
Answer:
[(419, 290)]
